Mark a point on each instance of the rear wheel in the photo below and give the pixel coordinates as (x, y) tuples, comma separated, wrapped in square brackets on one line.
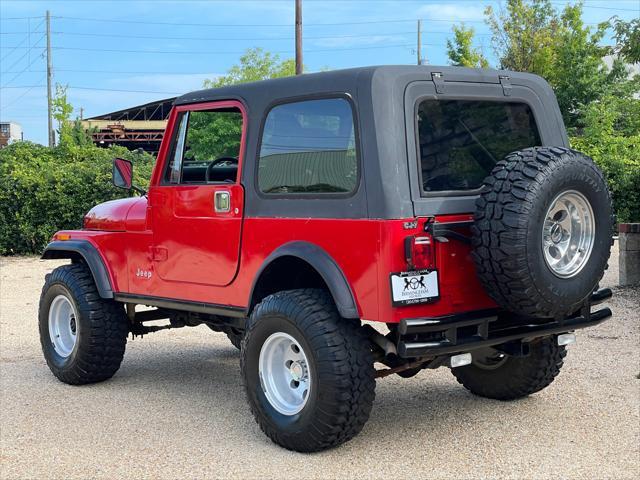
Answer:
[(308, 373), (83, 336), (493, 374)]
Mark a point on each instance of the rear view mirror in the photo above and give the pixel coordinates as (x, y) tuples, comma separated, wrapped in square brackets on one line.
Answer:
[(122, 173)]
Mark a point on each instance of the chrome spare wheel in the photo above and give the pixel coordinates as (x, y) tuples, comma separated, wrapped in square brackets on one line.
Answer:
[(63, 326), (284, 373), (568, 234)]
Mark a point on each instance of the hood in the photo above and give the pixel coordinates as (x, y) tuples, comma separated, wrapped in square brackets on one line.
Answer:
[(111, 216)]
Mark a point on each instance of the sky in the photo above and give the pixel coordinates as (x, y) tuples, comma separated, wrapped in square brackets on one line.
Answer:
[(121, 53)]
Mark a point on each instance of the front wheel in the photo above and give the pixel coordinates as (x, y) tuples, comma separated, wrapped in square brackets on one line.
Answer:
[(308, 373), (499, 376), (83, 336)]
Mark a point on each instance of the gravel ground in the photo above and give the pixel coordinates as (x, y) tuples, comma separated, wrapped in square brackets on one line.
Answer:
[(176, 409)]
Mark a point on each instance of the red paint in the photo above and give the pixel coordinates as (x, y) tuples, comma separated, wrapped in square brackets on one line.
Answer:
[(109, 216), (196, 254)]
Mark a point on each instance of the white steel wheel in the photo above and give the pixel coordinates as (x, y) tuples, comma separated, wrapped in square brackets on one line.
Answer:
[(63, 325), (284, 373), (568, 234)]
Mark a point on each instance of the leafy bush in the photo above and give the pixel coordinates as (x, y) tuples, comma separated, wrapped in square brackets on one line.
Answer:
[(43, 189), (611, 136), (619, 159)]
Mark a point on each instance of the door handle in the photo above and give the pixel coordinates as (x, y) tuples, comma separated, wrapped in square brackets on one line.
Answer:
[(222, 201)]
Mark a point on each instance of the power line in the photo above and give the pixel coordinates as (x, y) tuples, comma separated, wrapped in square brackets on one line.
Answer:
[(21, 18), (18, 33), (21, 72), (28, 49), (597, 7), (289, 25), (313, 37), (23, 86), (72, 87), (19, 97), (12, 49), (206, 52)]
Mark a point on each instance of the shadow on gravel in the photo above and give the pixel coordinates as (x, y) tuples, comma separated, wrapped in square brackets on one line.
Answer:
[(205, 383)]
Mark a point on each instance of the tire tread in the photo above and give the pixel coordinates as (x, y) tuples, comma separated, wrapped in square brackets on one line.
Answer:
[(345, 364), (100, 354)]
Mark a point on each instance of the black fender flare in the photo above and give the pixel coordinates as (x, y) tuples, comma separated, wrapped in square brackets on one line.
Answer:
[(76, 249), (328, 269)]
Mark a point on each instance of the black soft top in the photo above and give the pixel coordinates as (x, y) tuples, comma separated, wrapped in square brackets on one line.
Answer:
[(338, 80), (384, 99)]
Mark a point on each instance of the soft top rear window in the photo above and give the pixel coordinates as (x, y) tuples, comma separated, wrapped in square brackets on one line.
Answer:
[(460, 141)]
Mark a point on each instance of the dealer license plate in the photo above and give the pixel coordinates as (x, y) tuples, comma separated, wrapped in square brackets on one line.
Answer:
[(408, 288)]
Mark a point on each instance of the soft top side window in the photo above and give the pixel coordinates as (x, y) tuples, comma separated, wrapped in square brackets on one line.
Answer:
[(309, 147), (460, 141)]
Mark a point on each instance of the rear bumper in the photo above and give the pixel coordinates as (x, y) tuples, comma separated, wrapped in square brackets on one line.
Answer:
[(429, 337)]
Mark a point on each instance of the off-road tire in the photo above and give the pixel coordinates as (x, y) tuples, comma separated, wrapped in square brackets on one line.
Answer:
[(341, 362), (507, 231), (517, 377), (235, 336), (102, 328)]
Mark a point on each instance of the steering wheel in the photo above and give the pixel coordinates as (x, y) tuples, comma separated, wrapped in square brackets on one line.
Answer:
[(232, 160)]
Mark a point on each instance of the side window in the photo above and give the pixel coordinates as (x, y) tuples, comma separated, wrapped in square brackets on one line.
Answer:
[(309, 147), (206, 147)]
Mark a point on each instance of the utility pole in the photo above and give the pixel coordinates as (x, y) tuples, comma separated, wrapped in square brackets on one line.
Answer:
[(419, 42), (52, 139), (298, 37)]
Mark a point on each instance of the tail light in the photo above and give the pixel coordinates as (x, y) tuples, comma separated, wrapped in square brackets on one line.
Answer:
[(419, 252)]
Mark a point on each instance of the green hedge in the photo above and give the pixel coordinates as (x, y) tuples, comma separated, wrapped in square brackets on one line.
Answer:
[(43, 189), (619, 159)]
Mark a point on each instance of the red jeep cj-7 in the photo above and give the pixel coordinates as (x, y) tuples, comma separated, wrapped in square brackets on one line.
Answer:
[(442, 202)]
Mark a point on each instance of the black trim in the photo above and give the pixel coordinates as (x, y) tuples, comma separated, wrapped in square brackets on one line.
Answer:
[(600, 296), (184, 305), (73, 249), (326, 267), (171, 151), (311, 195), (439, 230), (469, 331)]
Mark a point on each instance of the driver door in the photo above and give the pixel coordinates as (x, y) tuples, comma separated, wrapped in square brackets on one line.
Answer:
[(197, 207)]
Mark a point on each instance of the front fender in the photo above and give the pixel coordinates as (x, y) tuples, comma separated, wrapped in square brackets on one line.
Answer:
[(82, 249)]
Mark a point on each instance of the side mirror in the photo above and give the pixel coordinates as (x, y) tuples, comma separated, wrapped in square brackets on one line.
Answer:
[(122, 176)]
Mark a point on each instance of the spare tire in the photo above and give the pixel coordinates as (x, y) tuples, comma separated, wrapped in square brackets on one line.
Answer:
[(542, 233)]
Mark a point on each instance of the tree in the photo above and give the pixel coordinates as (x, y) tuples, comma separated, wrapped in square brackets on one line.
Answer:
[(214, 135), (534, 37), (611, 135), (62, 110), (627, 35), (69, 132), (256, 64), (460, 50), (577, 70), (523, 34)]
